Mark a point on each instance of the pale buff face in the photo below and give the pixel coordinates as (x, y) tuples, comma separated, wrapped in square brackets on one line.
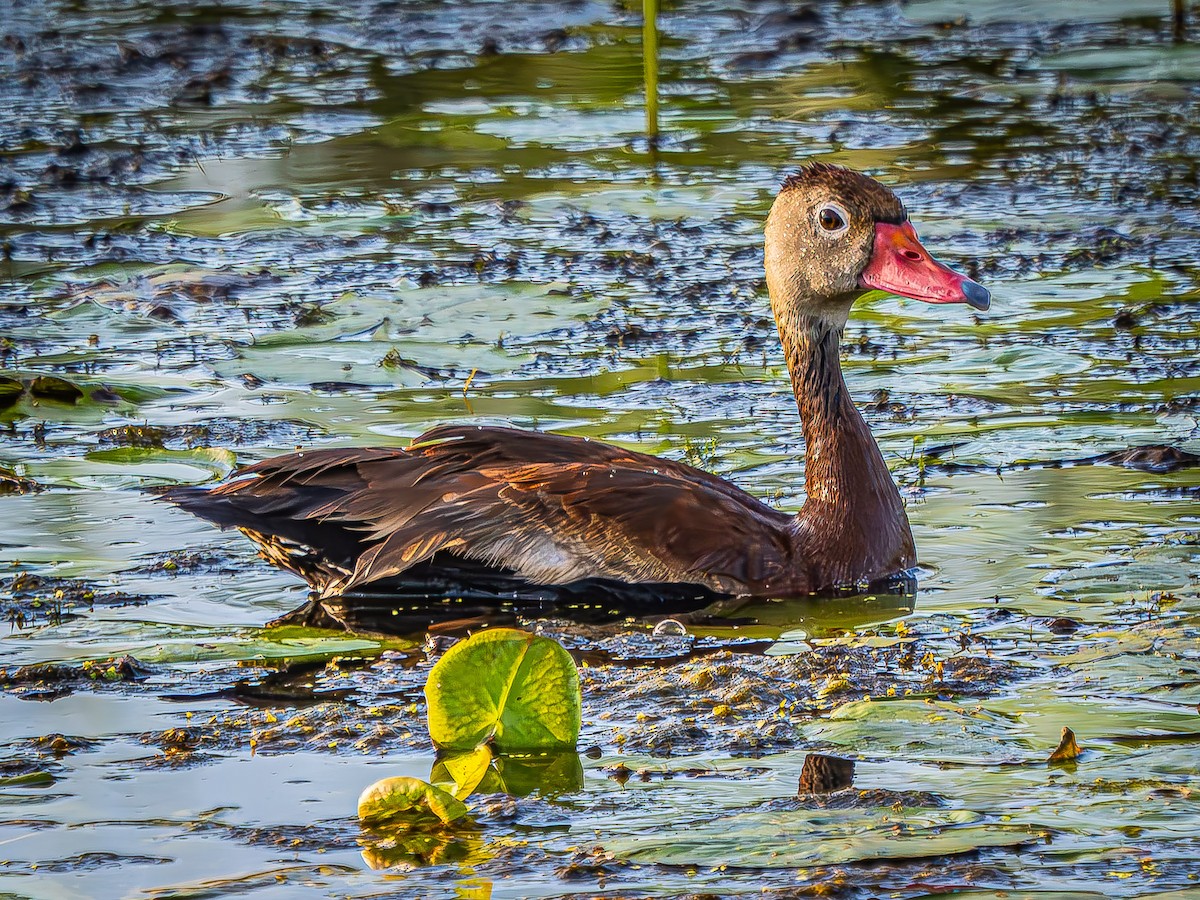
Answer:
[(813, 269)]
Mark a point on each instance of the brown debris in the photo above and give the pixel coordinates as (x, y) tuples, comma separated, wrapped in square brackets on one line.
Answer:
[(1067, 749), (1151, 458), (12, 483), (823, 774), (1063, 625)]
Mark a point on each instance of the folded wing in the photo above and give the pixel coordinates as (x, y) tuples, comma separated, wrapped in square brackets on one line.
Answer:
[(549, 508)]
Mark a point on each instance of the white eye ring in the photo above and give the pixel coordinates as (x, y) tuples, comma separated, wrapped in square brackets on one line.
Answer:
[(832, 214)]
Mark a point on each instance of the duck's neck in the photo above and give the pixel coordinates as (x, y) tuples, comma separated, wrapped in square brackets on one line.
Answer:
[(852, 501)]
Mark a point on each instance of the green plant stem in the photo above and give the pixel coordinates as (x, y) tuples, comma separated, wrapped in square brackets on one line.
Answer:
[(650, 65)]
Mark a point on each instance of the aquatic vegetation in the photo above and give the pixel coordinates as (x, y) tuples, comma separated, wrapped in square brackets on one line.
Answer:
[(497, 693)]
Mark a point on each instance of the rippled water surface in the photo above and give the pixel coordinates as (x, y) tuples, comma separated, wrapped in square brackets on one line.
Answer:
[(229, 231)]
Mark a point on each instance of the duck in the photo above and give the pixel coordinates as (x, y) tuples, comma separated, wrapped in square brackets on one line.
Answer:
[(498, 512)]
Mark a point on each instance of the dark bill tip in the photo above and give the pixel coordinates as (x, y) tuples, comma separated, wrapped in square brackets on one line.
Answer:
[(977, 296)]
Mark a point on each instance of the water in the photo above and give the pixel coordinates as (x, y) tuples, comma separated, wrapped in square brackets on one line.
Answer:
[(286, 225)]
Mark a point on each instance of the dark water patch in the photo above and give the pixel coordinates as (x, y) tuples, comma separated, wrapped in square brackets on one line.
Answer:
[(34, 771), (320, 837), (27, 823), (1148, 458), (291, 685), (1156, 458), (622, 773), (169, 761)]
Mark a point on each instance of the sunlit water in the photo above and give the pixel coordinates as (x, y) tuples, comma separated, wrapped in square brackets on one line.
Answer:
[(303, 225)]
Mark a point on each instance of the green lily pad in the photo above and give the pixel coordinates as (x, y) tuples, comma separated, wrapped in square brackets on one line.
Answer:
[(29, 779), (407, 799), (128, 467), (218, 458), (287, 642), (199, 464), (818, 837), (517, 690), (10, 390)]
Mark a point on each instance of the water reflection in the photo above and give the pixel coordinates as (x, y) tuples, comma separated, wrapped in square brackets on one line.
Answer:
[(547, 774), (414, 847), (443, 608)]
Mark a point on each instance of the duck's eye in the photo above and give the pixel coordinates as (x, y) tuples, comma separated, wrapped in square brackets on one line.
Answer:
[(831, 218)]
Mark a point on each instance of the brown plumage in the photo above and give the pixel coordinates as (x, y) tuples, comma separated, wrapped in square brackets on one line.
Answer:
[(514, 513)]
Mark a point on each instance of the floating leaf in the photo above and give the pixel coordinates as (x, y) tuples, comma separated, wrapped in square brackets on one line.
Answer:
[(819, 836), (218, 458), (50, 387), (407, 799), (10, 391), (515, 689), (288, 642), (155, 464), (29, 779), (1067, 749)]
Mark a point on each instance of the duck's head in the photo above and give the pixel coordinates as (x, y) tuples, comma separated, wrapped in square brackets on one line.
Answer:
[(833, 234)]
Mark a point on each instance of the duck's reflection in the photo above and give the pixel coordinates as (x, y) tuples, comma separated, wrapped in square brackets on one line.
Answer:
[(455, 608)]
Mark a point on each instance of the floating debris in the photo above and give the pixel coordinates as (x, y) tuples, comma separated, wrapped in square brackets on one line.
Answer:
[(1067, 750), (823, 774)]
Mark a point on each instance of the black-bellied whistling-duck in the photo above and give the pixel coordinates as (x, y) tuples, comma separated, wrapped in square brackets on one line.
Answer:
[(519, 511)]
